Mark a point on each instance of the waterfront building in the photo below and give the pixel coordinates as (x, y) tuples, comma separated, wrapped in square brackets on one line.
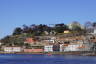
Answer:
[(56, 47), (48, 48), (62, 47), (71, 47), (76, 46), (13, 49), (33, 50)]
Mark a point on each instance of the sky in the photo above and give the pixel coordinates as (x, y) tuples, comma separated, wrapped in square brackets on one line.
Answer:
[(15, 13)]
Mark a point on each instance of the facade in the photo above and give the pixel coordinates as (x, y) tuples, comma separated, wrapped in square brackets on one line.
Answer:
[(79, 46), (48, 48), (30, 41), (56, 47), (12, 49), (94, 31), (50, 41), (87, 46), (62, 47), (33, 50), (67, 31), (72, 47)]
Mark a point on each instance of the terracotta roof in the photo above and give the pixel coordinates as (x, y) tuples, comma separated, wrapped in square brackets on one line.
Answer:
[(30, 40)]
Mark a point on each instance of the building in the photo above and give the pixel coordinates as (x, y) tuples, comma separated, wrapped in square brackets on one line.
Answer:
[(71, 47), (93, 31), (76, 46), (62, 47), (30, 41), (66, 32), (56, 47), (13, 49), (33, 50), (48, 48), (49, 41)]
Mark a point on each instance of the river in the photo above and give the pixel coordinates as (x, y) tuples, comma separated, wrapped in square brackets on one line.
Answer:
[(45, 59)]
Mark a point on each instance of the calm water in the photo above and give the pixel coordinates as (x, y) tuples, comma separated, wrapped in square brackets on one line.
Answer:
[(45, 59)]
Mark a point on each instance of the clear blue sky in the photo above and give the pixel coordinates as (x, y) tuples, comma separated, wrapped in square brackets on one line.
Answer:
[(15, 13)]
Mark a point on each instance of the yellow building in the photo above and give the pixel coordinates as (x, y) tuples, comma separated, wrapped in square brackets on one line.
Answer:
[(67, 31)]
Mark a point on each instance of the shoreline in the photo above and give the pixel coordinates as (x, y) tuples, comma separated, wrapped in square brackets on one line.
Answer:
[(87, 53)]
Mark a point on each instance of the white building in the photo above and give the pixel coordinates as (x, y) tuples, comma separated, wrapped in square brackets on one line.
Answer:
[(12, 49), (72, 47), (50, 41), (48, 48), (61, 47), (93, 31), (79, 46)]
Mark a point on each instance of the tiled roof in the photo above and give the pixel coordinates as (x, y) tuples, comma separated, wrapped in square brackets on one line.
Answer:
[(30, 40)]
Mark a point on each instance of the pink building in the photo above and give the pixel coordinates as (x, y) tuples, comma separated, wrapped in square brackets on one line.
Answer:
[(33, 50)]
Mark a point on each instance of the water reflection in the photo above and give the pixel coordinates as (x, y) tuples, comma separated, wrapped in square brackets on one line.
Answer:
[(45, 59)]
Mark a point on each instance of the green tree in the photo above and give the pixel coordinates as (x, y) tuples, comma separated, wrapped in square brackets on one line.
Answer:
[(17, 41), (6, 40), (59, 28), (17, 31), (76, 26)]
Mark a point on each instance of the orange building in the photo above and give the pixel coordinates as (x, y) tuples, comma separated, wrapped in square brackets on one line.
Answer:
[(30, 40)]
